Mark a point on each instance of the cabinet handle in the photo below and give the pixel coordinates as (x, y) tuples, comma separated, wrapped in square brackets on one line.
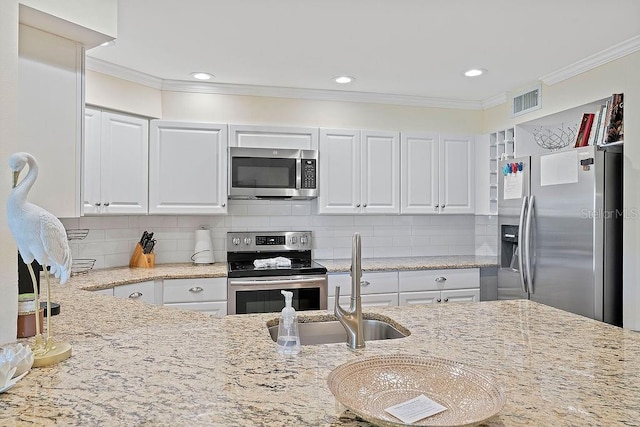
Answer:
[(196, 289), (443, 206), (107, 204), (365, 283), (358, 205), (97, 204), (441, 279), (446, 300), (435, 208), (224, 204), (135, 295), (438, 300), (365, 205)]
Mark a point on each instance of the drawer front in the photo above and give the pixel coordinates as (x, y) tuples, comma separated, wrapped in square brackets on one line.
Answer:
[(215, 308), (428, 297), (371, 300), (461, 295), (372, 283), (143, 291), (437, 280), (195, 290)]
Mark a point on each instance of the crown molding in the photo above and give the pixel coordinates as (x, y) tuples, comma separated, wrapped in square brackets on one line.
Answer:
[(493, 101), (118, 71), (318, 94), (604, 56)]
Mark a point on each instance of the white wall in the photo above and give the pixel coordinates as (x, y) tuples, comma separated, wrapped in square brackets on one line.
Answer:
[(97, 15), (617, 76), (8, 145)]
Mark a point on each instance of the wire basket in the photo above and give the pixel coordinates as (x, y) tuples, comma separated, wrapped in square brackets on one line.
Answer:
[(81, 265), (77, 233), (555, 138)]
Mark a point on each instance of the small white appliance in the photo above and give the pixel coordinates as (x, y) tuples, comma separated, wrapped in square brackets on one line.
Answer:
[(203, 251)]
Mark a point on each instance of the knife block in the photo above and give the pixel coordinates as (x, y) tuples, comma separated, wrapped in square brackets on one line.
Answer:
[(142, 260)]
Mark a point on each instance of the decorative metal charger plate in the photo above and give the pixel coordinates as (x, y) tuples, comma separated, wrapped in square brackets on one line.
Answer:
[(368, 386)]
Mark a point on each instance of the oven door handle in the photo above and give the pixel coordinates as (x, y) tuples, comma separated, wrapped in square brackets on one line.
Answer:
[(258, 282)]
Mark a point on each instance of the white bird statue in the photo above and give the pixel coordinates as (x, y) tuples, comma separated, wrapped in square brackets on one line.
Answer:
[(41, 236)]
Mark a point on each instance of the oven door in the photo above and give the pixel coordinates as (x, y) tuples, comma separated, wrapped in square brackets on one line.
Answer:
[(262, 294)]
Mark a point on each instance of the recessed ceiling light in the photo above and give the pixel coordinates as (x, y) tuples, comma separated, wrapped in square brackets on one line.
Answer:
[(475, 72), (344, 79), (202, 76)]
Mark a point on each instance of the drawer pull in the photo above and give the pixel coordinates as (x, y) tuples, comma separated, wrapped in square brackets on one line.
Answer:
[(365, 283), (135, 295), (441, 279), (446, 300), (196, 289), (438, 300)]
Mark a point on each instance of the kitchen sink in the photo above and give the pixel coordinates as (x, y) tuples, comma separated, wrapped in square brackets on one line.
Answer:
[(324, 331)]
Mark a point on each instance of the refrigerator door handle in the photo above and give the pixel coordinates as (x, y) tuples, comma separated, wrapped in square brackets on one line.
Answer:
[(527, 244), (523, 253)]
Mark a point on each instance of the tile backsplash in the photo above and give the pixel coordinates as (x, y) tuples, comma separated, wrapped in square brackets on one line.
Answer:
[(111, 239)]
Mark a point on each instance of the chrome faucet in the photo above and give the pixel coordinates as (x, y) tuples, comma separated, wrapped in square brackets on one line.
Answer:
[(352, 319)]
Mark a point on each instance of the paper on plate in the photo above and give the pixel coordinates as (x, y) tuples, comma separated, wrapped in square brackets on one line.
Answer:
[(415, 409)]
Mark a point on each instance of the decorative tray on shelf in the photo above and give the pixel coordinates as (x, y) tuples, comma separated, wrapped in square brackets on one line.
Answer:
[(367, 386)]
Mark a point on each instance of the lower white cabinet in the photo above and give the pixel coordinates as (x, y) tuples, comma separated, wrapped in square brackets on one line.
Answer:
[(436, 286), (207, 295), (149, 292)]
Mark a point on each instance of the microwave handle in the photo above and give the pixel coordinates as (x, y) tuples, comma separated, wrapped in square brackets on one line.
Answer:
[(298, 173)]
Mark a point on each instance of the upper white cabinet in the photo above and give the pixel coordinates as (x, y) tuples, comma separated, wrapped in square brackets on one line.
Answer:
[(359, 172), (300, 138), (116, 150), (49, 113), (437, 174), (187, 168)]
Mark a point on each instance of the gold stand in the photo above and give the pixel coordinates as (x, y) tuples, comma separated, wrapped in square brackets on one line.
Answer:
[(57, 353), (51, 352)]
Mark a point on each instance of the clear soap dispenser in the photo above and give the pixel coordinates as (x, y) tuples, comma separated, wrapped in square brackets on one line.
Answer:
[(288, 337)]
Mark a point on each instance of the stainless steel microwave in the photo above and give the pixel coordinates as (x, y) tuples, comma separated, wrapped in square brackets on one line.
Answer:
[(272, 173)]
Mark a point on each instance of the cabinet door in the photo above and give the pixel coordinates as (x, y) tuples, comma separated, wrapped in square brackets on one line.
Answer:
[(147, 292), (273, 137), (339, 158), (370, 300), (187, 168), (456, 175), (124, 160), (420, 173), (380, 172), (461, 295), (214, 308), (427, 297), (91, 165)]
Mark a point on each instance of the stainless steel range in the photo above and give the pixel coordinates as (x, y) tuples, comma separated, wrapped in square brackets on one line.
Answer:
[(261, 264)]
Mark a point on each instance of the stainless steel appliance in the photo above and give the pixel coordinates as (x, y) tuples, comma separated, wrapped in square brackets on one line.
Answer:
[(252, 289), (560, 223), (259, 173)]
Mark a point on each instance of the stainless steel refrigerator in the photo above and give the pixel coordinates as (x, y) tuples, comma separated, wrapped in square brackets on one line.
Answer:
[(560, 222)]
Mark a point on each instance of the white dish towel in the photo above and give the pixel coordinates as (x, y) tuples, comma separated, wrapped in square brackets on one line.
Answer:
[(278, 262)]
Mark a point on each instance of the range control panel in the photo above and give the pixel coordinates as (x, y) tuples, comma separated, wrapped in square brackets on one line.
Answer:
[(255, 241)]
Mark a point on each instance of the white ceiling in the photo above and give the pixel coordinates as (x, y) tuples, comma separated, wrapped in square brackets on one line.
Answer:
[(416, 48)]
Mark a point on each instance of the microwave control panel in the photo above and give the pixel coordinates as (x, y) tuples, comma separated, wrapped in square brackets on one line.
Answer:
[(308, 173)]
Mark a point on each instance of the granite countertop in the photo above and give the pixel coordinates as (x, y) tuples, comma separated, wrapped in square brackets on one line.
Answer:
[(135, 364), (110, 277)]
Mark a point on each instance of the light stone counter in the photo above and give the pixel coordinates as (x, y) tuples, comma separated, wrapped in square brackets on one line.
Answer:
[(135, 364), (412, 263)]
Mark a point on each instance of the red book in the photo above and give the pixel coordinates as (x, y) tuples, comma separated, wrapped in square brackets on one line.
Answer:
[(585, 129)]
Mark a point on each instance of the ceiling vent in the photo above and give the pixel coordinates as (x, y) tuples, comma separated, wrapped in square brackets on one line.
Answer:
[(524, 102)]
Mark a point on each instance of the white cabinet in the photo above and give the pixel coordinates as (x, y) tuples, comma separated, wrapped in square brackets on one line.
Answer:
[(187, 168), (300, 138), (149, 292), (437, 174), (435, 286), (359, 172), (377, 289), (207, 295), (50, 94), (115, 172)]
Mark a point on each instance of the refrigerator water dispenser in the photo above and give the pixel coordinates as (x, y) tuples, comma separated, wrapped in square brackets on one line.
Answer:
[(509, 242)]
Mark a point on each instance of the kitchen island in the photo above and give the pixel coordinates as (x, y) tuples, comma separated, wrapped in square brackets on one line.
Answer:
[(136, 364)]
